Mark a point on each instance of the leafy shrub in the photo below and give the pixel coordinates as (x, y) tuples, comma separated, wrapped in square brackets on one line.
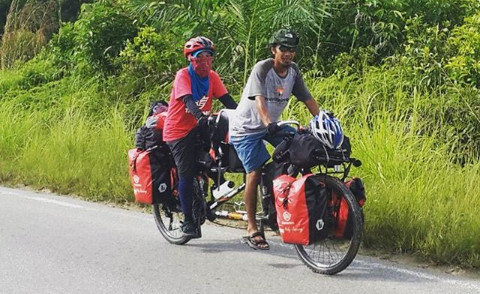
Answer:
[(464, 66), (360, 59), (62, 46), (425, 50), (101, 33), (151, 57)]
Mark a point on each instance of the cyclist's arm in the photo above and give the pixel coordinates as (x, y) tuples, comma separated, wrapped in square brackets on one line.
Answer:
[(228, 101), (262, 109), (312, 106), (192, 106)]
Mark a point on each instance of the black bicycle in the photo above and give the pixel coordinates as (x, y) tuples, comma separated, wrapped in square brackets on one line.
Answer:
[(329, 256)]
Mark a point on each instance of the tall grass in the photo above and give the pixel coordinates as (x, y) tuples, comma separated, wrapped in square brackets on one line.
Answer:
[(66, 148), (418, 200)]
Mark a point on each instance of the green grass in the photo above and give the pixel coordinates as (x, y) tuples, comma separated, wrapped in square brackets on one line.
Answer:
[(66, 148)]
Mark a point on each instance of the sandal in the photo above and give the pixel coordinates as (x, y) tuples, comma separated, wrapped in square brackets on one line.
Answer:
[(254, 244)]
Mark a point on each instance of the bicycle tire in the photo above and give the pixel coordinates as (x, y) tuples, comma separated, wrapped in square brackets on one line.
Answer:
[(199, 205), (334, 262), (169, 218), (168, 222)]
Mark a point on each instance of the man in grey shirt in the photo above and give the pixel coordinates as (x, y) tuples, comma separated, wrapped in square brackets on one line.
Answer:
[(265, 96)]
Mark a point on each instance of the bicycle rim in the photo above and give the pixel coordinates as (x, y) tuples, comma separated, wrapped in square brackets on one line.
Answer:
[(333, 254), (168, 222)]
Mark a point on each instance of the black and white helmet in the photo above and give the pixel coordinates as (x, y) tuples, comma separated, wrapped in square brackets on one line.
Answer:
[(327, 129)]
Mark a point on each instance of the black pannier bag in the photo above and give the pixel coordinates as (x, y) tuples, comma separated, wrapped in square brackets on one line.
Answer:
[(316, 197), (146, 138), (271, 171), (161, 164)]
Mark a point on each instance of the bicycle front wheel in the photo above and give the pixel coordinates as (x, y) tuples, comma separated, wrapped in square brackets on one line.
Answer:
[(333, 254)]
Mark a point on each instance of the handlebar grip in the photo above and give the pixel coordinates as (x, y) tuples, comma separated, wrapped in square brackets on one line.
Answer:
[(356, 162)]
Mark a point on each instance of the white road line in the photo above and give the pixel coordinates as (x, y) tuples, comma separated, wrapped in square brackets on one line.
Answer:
[(61, 203), (464, 284), (4, 192), (372, 264)]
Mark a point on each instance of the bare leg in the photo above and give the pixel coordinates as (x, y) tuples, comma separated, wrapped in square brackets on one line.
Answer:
[(252, 181)]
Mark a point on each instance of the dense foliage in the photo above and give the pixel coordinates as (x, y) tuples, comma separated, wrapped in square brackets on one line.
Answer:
[(403, 77)]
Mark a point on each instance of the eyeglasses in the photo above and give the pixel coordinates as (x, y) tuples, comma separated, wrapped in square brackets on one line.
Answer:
[(285, 49)]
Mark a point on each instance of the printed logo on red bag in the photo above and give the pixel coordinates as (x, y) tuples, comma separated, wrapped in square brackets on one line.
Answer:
[(136, 179)]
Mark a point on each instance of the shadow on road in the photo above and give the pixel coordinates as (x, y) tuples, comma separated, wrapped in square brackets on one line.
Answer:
[(360, 269)]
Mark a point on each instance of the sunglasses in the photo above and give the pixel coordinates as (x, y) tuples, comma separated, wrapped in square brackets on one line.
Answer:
[(202, 59), (285, 49)]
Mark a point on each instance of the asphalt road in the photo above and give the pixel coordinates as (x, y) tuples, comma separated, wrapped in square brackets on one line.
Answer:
[(56, 244)]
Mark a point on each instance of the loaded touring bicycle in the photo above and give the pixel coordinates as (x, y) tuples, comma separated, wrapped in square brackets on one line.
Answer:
[(306, 193)]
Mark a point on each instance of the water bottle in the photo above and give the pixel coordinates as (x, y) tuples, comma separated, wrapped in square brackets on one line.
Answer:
[(223, 190)]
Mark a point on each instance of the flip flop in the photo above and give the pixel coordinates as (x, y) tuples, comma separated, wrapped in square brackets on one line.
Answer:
[(250, 240)]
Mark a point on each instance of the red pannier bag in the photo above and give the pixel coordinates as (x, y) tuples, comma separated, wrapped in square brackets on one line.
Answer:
[(301, 206), (150, 175), (343, 228)]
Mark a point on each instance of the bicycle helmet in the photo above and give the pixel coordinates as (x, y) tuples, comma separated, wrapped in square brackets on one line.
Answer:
[(198, 44), (326, 128)]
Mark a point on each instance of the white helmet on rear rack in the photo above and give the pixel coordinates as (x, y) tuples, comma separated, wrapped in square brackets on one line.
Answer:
[(326, 128)]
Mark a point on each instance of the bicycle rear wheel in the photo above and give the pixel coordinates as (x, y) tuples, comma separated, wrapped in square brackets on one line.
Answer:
[(334, 254), (169, 219)]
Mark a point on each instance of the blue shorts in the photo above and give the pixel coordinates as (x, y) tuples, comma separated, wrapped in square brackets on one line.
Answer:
[(252, 150)]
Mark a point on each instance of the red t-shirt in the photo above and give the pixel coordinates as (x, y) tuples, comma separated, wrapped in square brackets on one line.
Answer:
[(179, 121)]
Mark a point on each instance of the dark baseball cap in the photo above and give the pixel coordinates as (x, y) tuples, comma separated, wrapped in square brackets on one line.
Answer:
[(286, 37)]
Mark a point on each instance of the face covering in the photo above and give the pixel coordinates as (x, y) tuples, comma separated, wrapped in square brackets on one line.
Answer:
[(199, 85), (202, 65)]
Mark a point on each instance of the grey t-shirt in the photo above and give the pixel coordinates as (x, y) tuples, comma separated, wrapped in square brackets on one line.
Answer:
[(264, 81)]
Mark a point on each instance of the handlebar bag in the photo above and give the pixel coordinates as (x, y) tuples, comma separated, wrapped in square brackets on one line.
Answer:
[(301, 205), (150, 175), (302, 150), (344, 227)]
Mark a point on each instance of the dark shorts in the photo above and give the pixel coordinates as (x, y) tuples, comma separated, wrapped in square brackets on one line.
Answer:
[(188, 152), (185, 153)]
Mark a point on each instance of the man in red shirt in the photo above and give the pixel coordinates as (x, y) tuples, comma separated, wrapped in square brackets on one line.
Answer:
[(190, 104)]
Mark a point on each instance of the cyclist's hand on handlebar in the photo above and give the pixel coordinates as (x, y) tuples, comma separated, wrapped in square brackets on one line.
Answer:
[(302, 130), (203, 121), (206, 121), (272, 128)]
